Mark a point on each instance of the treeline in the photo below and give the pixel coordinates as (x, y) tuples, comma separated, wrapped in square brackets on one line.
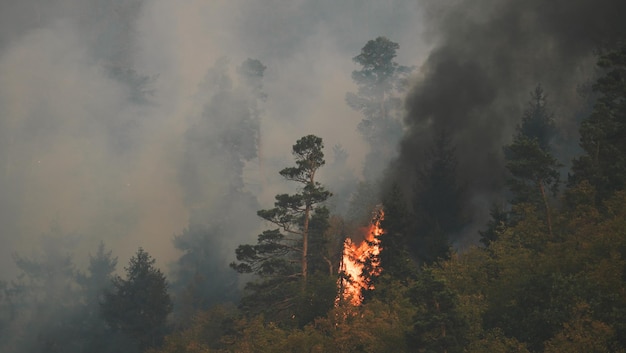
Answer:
[(549, 275), (53, 307)]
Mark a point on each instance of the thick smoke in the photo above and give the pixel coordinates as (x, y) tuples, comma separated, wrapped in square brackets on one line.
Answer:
[(109, 132), (487, 57), (97, 99)]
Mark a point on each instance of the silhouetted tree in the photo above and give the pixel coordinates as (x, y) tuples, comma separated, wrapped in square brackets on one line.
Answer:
[(439, 203), (602, 133), (94, 285), (281, 256), (378, 81), (395, 257), (533, 169), (138, 306)]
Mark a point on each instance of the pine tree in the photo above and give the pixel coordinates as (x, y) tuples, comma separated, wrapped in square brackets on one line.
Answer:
[(438, 326), (95, 283), (281, 256), (438, 203), (533, 170), (378, 81), (138, 306), (602, 134), (395, 258)]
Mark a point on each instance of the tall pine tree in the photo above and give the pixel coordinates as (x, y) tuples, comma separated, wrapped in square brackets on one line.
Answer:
[(281, 257)]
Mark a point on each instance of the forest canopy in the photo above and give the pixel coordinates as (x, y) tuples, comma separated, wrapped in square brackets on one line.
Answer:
[(241, 178)]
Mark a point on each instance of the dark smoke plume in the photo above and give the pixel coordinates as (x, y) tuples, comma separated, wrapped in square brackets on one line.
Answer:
[(488, 55)]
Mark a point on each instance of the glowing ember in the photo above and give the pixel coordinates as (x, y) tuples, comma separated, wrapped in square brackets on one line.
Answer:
[(353, 278)]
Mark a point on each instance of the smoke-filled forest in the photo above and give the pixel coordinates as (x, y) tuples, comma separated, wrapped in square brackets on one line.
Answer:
[(312, 176)]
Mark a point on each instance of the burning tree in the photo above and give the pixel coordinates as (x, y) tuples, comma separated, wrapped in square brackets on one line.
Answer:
[(360, 262), (281, 257)]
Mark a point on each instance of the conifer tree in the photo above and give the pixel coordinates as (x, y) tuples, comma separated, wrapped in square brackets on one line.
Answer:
[(138, 306), (438, 203), (533, 170), (602, 134), (378, 81), (281, 257)]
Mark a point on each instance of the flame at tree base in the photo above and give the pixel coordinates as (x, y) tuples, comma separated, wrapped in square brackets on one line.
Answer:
[(360, 262)]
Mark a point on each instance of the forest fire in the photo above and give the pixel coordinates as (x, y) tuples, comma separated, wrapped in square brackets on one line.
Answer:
[(360, 262)]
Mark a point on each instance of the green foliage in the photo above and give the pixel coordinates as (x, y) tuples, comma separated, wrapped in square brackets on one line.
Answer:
[(559, 294), (283, 258), (528, 158), (602, 133), (207, 331), (395, 257), (309, 156), (495, 341), (583, 334), (532, 169), (138, 306), (438, 325), (439, 202)]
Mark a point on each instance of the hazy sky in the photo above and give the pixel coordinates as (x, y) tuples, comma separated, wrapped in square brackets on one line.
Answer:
[(77, 150), (84, 150)]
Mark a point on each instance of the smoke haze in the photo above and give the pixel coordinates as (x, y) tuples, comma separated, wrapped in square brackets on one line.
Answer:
[(96, 99), (475, 83)]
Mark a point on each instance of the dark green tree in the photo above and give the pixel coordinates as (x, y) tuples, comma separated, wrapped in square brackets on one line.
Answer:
[(538, 120), (138, 306), (395, 258), (379, 80), (602, 134), (281, 256), (533, 170), (439, 203), (438, 326)]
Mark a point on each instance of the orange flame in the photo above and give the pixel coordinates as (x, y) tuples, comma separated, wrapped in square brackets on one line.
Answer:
[(353, 279)]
